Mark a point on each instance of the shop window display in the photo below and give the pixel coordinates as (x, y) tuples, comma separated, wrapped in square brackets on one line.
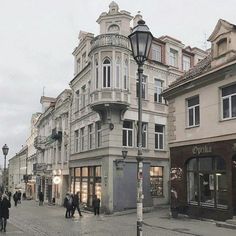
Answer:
[(207, 183)]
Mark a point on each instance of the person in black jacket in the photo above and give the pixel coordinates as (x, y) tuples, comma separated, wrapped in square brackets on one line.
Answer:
[(15, 198), (4, 210), (41, 198), (76, 202), (68, 204), (96, 205)]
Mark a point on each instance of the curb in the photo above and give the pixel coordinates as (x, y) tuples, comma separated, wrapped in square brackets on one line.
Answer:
[(225, 225)]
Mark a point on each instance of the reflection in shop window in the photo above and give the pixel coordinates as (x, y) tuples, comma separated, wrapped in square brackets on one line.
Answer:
[(156, 181), (207, 182)]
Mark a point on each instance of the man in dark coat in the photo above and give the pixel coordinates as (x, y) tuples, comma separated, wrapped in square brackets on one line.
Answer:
[(76, 202), (15, 198), (96, 205), (4, 209), (68, 204), (41, 198)]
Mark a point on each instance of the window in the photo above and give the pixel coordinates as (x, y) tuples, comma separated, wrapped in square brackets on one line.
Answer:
[(186, 63), (117, 73), (229, 102), (193, 111), (76, 140), (156, 181), (159, 137), (207, 182), (98, 134), (83, 96), (126, 74), (89, 87), (90, 136), (96, 74), (173, 57), (222, 46), (127, 134), (82, 134), (144, 87), (77, 100), (144, 135), (158, 90), (156, 53), (106, 73)]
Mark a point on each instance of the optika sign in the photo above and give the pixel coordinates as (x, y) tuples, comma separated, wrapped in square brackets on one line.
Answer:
[(197, 150)]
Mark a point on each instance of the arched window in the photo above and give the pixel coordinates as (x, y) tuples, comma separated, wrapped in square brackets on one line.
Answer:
[(96, 73), (106, 70), (117, 73), (207, 182), (126, 74)]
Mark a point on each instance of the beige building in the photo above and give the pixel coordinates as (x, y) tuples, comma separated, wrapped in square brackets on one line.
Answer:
[(202, 131), (104, 113), (51, 168)]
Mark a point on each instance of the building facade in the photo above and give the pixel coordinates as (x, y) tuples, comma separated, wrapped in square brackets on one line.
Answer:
[(202, 134), (104, 113)]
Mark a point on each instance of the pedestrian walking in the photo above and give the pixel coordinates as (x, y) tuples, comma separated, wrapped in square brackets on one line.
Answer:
[(41, 198), (4, 210), (96, 205), (68, 204), (9, 196), (15, 198), (76, 203), (19, 196)]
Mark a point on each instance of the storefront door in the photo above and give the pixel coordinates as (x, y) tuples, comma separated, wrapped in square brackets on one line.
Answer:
[(234, 183)]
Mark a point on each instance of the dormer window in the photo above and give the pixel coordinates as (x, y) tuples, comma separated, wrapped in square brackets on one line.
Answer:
[(222, 46)]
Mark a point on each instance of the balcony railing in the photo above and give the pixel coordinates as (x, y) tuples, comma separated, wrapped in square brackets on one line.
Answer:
[(110, 40)]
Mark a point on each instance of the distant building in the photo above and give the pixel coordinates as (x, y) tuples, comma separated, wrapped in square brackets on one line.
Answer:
[(202, 131)]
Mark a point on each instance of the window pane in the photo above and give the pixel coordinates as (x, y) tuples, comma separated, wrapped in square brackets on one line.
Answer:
[(193, 101), (77, 172), (104, 77), (161, 146), (205, 164), (124, 142), (85, 171), (190, 117), (130, 138), (192, 164), (226, 108), (233, 106), (197, 115), (220, 163), (221, 190), (193, 187), (206, 182), (128, 124), (229, 90), (159, 128)]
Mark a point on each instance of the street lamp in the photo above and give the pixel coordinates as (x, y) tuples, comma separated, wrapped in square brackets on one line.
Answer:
[(5, 150), (141, 40)]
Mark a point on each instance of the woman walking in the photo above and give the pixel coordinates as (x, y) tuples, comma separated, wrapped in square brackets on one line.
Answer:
[(4, 209)]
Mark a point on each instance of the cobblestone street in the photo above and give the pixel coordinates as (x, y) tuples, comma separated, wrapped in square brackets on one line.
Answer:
[(29, 219)]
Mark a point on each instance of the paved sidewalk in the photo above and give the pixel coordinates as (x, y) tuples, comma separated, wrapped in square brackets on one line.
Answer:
[(29, 219)]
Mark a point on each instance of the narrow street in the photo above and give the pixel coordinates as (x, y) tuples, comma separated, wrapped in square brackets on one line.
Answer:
[(29, 219)]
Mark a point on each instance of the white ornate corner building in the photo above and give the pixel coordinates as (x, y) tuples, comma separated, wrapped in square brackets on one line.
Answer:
[(104, 113)]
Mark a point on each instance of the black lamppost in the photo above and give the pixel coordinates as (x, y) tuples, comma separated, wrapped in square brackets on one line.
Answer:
[(141, 40), (5, 150)]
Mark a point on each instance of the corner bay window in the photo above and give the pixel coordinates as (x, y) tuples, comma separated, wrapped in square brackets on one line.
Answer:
[(127, 134), (193, 111), (156, 181), (229, 102), (207, 182), (106, 73)]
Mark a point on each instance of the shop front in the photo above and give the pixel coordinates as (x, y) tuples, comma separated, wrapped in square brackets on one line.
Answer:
[(87, 181), (203, 179)]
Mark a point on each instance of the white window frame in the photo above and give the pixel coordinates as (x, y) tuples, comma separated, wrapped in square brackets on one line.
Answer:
[(173, 57), (118, 66), (82, 139), (156, 52), (106, 77), (158, 90), (193, 109), (229, 98), (90, 136), (126, 75), (76, 134), (98, 134), (186, 63), (159, 136), (96, 74), (127, 131)]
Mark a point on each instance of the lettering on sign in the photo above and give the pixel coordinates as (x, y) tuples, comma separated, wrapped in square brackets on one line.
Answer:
[(197, 150)]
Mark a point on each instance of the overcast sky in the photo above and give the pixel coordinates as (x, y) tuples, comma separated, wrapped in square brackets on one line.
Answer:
[(37, 38)]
